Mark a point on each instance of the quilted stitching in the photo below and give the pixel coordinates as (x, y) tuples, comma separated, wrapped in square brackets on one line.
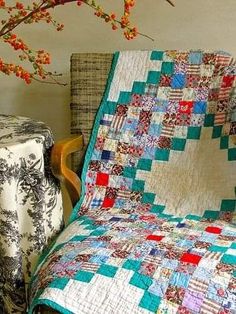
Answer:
[(127, 251)]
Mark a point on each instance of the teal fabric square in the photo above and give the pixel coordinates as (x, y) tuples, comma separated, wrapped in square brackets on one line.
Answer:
[(132, 265), (228, 205), (167, 216), (107, 270), (124, 98), (194, 133), (178, 144), (78, 238), (233, 245), (59, 283), (153, 77), (129, 172), (228, 259), (217, 130), (138, 88), (212, 214), (138, 185), (176, 219), (97, 232), (167, 68), (110, 107), (58, 247), (157, 208), (162, 154), (84, 276), (148, 197), (150, 302), (217, 248), (156, 55), (144, 164), (231, 154), (194, 217), (224, 142), (86, 221), (141, 281), (90, 227), (209, 120)]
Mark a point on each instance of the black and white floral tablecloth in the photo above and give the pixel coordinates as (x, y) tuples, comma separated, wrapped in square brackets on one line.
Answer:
[(30, 205)]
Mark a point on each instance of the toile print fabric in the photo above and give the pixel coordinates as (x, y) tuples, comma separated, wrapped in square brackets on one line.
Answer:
[(30, 205), (155, 229)]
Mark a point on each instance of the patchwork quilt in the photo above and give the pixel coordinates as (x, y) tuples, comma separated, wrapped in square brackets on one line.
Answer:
[(155, 229)]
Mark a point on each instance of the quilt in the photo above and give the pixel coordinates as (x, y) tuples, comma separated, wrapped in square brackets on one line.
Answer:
[(155, 229)]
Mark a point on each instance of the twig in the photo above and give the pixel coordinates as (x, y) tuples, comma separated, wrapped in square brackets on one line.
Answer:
[(170, 2)]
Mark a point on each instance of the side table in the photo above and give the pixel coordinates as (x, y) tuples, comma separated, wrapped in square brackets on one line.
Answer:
[(30, 205)]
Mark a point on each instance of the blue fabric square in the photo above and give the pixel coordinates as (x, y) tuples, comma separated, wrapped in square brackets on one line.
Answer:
[(105, 122), (157, 252), (155, 129), (160, 106), (99, 259), (158, 287), (169, 263), (199, 107), (179, 279), (106, 154), (96, 154), (98, 244), (128, 182), (149, 152), (178, 81), (208, 237), (96, 202), (115, 219), (185, 243), (195, 57), (120, 203), (130, 124), (202, 273)]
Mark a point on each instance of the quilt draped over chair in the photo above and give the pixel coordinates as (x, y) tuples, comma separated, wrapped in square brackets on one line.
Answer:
[(155, 229)]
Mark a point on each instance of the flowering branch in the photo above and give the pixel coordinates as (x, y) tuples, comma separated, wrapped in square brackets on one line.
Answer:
[(40, 12)]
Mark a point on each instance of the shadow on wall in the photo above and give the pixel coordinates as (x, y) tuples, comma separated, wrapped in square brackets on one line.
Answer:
[(44, 102)]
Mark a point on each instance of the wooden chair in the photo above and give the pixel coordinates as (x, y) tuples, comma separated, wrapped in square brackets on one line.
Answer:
[(89, 72)]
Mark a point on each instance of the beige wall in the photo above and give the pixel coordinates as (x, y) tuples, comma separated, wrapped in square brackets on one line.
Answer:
[(207, 24)]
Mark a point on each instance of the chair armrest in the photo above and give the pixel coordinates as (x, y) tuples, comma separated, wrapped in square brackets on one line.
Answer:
[(59, 154)]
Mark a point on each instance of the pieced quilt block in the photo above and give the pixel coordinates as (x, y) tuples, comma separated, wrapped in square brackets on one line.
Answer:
[(154, 231)]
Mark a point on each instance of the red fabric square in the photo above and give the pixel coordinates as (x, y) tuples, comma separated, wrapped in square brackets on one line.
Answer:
[(108, 202), (215, 230), (154, 237), (185, 106), (228, 80), (102, 179), (190, 258)]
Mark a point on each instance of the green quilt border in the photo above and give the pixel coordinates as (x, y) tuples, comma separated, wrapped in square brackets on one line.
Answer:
[(93, 137)]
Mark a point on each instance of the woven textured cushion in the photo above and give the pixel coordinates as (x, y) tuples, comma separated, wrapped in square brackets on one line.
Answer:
[(89, 72)]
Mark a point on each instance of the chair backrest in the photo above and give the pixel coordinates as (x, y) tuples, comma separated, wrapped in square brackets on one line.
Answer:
[(89, 72)]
